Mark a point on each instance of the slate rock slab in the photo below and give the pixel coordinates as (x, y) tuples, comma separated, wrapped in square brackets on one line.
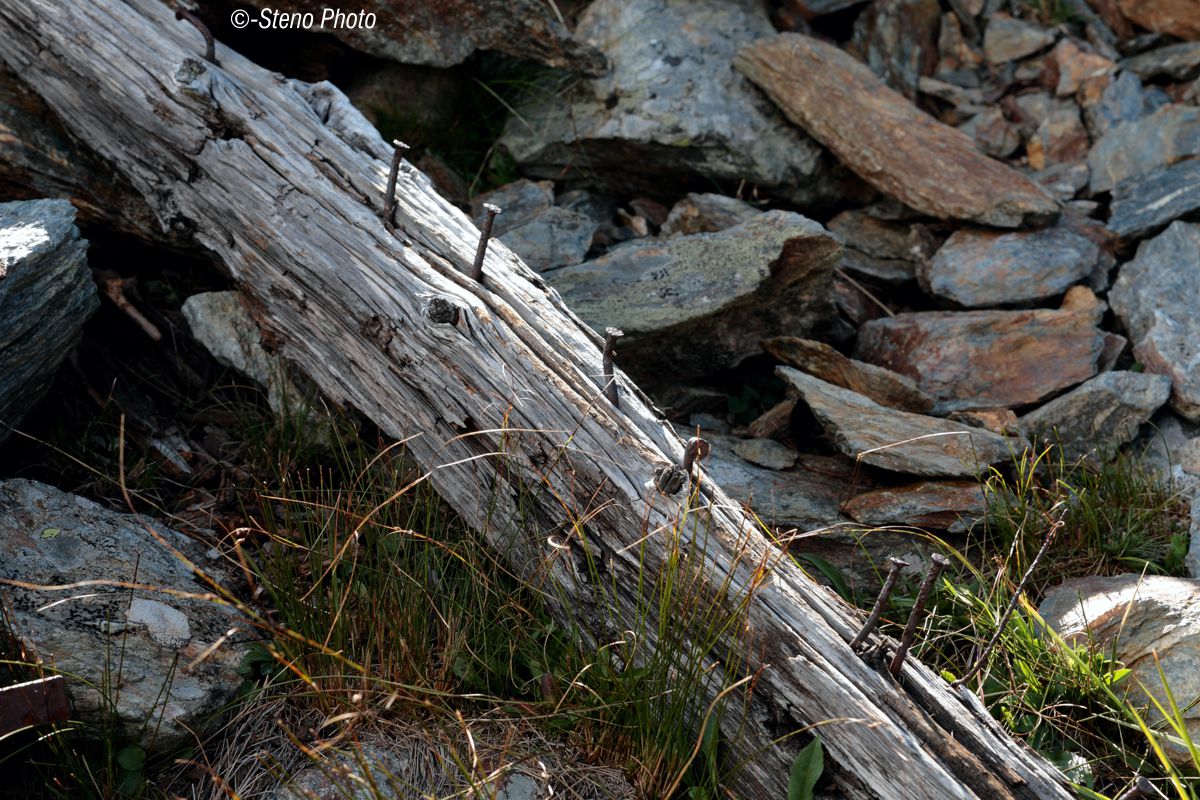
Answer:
[(1137, 617), (692, 305), (1100, 414), (951, 506), (1123, 100), (986, 359), (46, 296), (766, 453), (977, 267), (822, 361), (898, 440), (886, 140), (1173, 17), (1156, 297), (707, 213), (1180, 62), (880, 249), (897, 39), (670, 110), (1134, 149), (48, 537), (1143, 204), (1008, 39)]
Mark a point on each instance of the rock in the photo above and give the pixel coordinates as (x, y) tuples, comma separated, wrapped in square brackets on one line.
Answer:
[(810, 9), (146, 640), (985, 359), (220, 322), (1008, 39), (1063, 180), (1179, 62), (1143, 204), (670, 111), (1146, 622), (929, 166), (772, 422), (707, 213), (998, 420), (1061, 138), (1076, 67), (708, 423), (1174, 17), (1099, 415), (766, 453), (876, 248), (955, 51), (966, 101), (519, 203), (806, 497), (425, 101), (1157, 301), (446, 33), (898, 440), (1171, 446), (994, 134), (693, 305), (977, 267), (820, 360), (555, 237), (951, 506), (898, 40), (1134, 149), (46, 296), (1123, 100)]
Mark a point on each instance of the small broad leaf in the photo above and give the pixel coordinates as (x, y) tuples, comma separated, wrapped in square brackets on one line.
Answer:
[(806, 770), (131, 758)]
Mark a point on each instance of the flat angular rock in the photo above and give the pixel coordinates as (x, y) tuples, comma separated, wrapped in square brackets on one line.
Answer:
[(1173, 17), (1123, 100), (555, 237), (977, 267), (822, 361), (766, 453), (1100, 414), (1142, 205), (447, 32), (1146, 621), (898, 440), (49, 537), (1077, 67), (46, 295), (985, 359), (707, 213), (898, 40), (670, 110), (951, 506), (1008, 39), (1059, 139), (1156, 297), (692, 305), (1179, 62), (1135, 149), (930, 167), (877, 248), (994, 134), (519, 203)]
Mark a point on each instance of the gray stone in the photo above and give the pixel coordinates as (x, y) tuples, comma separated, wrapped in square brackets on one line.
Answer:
[(1060, 138), (898, 40), (876, 383), (1147, 622), (1145, 203), (1063, 180), (978, 267), (877, 248), (692, 305), (1134, 149), (986, 359), (897, 440), (766, 453), (1179, 62), (994, 134), (1172, 447), (555, 237), (707, 213), (1099, 415), (1156, 297), (1008, 39), (951, 506), (1123, 100), (670, 109), (46, 296), (148, 642), (519, 203)]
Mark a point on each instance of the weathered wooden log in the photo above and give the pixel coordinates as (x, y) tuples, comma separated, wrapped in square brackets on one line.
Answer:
[(497, 380)]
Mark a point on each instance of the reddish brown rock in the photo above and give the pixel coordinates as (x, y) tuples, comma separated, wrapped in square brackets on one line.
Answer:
[(773, 421), (974, 359), (1077, 67), (943, 505), (883, 386), (1060, 139), (887, 141), (997, 420), (1175, 17)]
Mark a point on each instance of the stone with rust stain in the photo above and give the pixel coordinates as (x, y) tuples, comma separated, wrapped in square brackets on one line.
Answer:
[(1173, 17), (881, 385), (898, 440), (1136, 148), (887, 141), (951, 506), (973, 359)]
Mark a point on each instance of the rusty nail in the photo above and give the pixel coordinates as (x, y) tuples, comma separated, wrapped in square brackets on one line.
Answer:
[(484, 234), (210, 47), (886, 592), (389, 197), (610, 383), (940, 562), (696, 448)]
